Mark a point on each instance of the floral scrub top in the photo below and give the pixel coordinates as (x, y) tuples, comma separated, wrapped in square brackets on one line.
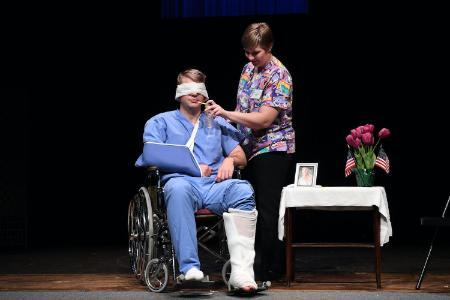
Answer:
[(271, 86)]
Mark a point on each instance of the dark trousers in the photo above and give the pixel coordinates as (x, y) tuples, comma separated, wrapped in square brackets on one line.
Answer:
[(269, 173)]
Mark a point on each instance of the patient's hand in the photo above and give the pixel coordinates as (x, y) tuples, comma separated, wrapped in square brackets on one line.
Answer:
[(226, 169), (206, 170)]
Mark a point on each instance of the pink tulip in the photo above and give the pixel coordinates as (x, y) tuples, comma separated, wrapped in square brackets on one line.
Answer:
[(384, 133), (367, 138), (369, 128), (350, 140), (354, 133), (355, 143), (360, 129)]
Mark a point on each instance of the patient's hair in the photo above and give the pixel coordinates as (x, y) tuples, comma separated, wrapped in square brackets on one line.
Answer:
[(194, 74)]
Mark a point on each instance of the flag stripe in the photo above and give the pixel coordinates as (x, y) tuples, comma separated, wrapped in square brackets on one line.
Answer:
[(349, 164), (382, 161), (382, 164)]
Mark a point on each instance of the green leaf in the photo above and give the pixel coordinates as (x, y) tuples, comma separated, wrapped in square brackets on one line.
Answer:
[(359, 160)]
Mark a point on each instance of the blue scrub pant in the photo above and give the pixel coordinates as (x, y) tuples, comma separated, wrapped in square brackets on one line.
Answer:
[(185, 195)]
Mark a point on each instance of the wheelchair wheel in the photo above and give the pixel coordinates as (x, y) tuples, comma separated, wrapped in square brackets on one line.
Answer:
[(148, 223), (226, 272), (132, 236), (140, 231), (145, 231), (156, 275)]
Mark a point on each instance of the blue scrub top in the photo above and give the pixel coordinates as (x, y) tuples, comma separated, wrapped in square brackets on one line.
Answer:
[(211, 145)]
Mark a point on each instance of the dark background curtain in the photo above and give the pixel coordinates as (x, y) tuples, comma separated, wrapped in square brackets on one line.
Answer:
[(97, 75), (221, 8)]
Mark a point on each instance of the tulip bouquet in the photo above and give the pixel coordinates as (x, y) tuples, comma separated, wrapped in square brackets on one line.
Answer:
[(362, 148)]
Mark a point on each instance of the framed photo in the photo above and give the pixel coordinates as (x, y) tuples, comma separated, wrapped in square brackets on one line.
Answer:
[(306, 174)]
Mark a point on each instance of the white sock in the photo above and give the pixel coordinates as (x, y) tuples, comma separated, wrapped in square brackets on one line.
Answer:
[(194, 274)]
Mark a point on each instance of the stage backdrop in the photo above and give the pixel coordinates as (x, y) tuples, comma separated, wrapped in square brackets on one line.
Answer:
[(351, 65)]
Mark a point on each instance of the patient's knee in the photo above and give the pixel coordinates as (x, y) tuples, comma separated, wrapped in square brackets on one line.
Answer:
[(177, 188), (240, 195)]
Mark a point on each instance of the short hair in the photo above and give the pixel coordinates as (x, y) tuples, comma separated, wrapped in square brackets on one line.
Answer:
[(194, 74), (257, 34)]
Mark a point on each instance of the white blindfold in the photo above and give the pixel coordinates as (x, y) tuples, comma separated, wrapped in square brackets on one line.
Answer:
[(191, 88)]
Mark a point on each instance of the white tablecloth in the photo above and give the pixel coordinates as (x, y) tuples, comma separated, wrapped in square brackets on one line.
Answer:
[(340, 198)]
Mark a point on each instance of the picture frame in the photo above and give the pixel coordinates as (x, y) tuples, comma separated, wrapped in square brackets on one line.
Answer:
[(306, 174)]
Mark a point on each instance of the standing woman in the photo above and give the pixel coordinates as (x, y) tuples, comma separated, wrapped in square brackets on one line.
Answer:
[(264, 114)]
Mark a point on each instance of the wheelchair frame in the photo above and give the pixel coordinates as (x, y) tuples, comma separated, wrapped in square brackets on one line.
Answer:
[(149, 245)]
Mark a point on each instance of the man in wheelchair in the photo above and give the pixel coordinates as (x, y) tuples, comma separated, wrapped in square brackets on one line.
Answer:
[(215, 145)]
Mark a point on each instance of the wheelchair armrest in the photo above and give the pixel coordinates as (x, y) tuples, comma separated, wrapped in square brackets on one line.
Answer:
[(237, 172), (153, 177)]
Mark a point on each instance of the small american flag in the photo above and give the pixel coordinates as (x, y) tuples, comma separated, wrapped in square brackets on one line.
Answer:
[(382, 160), (350, 164)]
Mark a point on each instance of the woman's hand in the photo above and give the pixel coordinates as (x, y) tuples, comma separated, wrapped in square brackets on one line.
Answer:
[(226, 169), (215, 109), (206, 170)]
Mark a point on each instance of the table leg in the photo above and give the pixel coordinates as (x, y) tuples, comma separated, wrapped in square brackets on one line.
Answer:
[(289, 250), (377, 248)]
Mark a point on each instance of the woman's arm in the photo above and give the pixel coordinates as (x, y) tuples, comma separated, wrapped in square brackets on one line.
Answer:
[(254, 120)]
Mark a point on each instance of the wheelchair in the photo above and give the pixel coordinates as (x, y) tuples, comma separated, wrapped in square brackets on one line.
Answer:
[(152, 257)]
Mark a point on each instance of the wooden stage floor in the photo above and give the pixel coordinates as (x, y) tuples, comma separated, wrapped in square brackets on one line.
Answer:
[(433, 283), (107, 268)]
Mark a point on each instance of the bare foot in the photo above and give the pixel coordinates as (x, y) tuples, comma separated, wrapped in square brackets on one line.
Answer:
[(248, 288)]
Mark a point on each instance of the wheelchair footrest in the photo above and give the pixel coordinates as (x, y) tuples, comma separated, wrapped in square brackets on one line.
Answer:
[(193, 286), (240, 292)]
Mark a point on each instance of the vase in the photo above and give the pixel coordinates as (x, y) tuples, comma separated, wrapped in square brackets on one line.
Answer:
[(364, 177)]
